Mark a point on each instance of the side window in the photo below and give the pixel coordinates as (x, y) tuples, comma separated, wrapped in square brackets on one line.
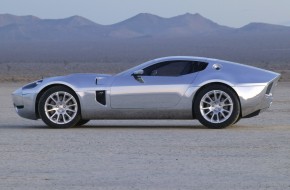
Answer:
[(173, 68)]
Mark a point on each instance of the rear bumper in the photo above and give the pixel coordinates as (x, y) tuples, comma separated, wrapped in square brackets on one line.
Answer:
[(256, 98)]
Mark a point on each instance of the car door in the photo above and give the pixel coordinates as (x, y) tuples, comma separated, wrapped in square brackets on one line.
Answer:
[(160, 85)]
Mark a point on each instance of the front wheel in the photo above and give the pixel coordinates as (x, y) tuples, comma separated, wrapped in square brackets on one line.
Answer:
[(217, 106), (59, 107)]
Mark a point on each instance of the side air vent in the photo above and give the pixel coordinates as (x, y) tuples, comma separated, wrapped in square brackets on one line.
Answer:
[(101, 97), (96, 81)]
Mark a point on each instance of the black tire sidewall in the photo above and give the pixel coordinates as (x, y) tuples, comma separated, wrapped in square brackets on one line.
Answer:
[(41, 107), (236, 106)]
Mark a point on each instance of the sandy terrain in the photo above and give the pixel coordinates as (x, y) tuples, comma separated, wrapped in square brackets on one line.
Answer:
[(254, 154)]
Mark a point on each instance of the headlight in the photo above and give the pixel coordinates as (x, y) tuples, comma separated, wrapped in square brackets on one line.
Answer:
[(32, 85)]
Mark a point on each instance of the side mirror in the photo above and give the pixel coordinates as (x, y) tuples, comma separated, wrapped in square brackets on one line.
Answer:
[(138, 73)]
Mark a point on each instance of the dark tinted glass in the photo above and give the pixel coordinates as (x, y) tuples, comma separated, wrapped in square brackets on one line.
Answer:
[(172, 68)]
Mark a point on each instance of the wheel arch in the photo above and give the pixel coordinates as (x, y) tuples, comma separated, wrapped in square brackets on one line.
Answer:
[(42, 91), (214, 83)]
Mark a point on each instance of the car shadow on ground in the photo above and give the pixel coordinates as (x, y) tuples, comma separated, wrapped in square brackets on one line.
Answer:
[(103, 127), (116, 126), (141, 127)]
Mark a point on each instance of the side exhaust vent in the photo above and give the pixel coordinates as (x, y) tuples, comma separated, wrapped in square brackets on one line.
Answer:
[(101, 97)]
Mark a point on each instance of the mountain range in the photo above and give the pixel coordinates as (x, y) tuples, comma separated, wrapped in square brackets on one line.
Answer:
[(137, 39), (76, 28)]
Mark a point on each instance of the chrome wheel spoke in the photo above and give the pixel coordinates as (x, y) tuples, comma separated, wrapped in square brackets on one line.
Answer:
[(208, 112), (71, 105), (218, 117), (53, 109), (51, 117), (57, 119), (66, 101), (206, 102), (68, 115), (64, 95), (223, 114), (212, 117), (209, 98), (57, 96), (55, 101), (220, 96), (50, 105), (224, 105), (63, 117), (225, 100), (215, 96), (226, 111), (70, 110)]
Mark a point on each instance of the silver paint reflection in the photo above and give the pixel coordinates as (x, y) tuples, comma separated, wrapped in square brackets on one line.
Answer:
[(157, 97)]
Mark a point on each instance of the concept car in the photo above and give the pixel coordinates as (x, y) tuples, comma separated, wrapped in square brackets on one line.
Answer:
[(217, 93)]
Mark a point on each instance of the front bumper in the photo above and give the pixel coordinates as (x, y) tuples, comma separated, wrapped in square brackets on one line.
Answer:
[(24, 104)]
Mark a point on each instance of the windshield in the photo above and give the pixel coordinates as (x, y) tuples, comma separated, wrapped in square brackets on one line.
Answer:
[(138, 67)]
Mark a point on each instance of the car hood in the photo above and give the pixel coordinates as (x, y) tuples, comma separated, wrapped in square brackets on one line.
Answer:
[(88, 76)]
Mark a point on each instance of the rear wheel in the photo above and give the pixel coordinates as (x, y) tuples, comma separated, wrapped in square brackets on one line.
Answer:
[(59, 107), (217, 106)]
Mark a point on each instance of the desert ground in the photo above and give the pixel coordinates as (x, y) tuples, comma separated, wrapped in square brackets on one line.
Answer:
[(253, 154), (31, 71)]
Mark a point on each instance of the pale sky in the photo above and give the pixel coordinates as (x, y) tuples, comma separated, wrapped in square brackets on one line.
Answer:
[(235, 13)]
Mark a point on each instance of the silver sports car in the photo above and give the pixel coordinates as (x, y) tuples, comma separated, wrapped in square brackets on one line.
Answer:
[(217, 93)]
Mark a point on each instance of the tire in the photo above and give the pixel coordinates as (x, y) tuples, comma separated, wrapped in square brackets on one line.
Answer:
[(217, 106), (59, 107), (82, 122), (238, 120)]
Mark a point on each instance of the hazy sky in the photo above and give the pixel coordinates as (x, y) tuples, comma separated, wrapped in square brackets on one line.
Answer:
[(234, 13)]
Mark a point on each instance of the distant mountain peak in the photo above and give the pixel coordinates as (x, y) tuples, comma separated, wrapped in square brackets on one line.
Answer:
[(76, 17), (196, 22), (152, 16), (7, 19), (140, 20), (79, 20), (263, 27), (192, 15), (145, 16), (14, 16)]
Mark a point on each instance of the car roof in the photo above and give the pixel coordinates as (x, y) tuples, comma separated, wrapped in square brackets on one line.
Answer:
[(168, 58), (194, 58)]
